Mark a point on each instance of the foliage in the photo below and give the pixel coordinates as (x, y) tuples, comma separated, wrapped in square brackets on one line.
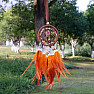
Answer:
[(90, 18), (18, 21), (11, 81), (80, 50), (1, 17), (84, 50), (1, 12), (30, 37), (66, 18), (89, 34), (67, 50)]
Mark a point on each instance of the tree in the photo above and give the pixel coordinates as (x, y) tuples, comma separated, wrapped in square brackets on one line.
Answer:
[(1, 12), (90, 32), (39, 13), (18, 20), (1, 18), (69, 22), (38, 16)]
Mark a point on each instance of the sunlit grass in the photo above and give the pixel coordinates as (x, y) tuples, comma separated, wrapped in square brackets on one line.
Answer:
[(11, 81), (81, 82), (25, 52), (79, 58)]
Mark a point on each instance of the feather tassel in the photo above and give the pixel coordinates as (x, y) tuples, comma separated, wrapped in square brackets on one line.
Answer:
[(49, 67)]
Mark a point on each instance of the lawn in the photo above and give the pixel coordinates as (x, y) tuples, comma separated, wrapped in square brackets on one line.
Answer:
[(11, 81), (81, 81), (25, 52)]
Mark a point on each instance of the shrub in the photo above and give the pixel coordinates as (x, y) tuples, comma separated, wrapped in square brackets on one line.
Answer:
[(68, 51), (84, 50)]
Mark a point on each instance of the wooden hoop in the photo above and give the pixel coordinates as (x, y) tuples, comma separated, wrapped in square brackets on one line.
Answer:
[(51, 42)]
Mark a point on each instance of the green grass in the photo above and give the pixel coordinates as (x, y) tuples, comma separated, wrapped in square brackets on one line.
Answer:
[(79, 58), (24, 52), (11, 81), (81, 82)]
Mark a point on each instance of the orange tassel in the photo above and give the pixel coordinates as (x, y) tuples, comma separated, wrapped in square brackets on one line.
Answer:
[(55, 66), (29, 64), (58, 75), (43, 65), (50, 71), (49, 66), (34, 78), (61, 65)]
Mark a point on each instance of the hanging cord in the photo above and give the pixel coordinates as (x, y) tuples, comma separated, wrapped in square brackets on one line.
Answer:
[(47, 11)]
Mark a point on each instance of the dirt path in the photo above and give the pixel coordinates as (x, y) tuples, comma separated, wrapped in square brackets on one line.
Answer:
[(81, 82)]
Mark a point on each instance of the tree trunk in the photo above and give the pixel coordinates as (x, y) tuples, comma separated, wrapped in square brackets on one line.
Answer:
[(92, 55), (74, 44), (73, 50), (62, 47), (16, 44), (39, 11), (92, 50), (62, 54)]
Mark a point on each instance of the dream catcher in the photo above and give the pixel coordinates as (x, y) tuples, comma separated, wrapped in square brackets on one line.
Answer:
[(47, 59)]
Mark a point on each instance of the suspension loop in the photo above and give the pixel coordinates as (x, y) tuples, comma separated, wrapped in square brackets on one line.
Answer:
[(48, 35), (47, 11)]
